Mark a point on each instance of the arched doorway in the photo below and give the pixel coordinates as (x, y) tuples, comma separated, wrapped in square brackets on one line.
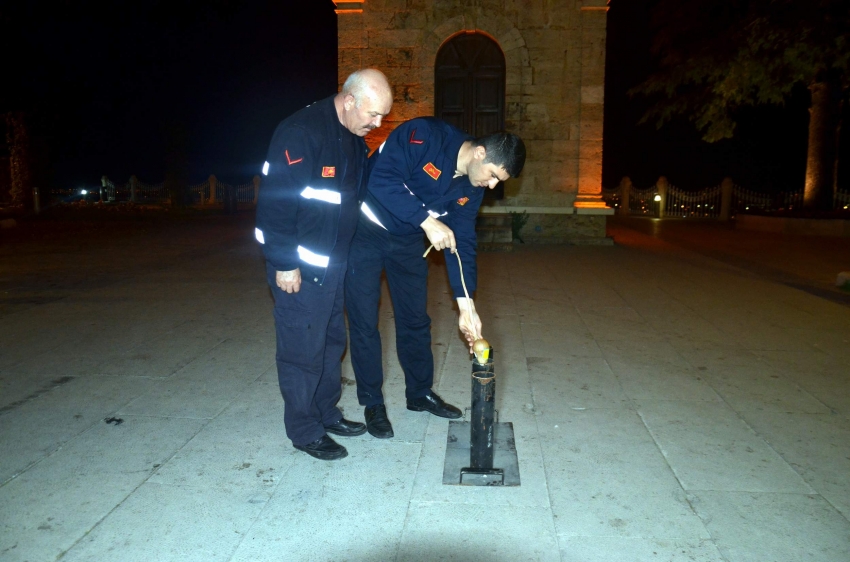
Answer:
[(469, 86)]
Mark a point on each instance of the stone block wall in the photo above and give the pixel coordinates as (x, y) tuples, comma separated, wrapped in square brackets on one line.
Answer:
[(555, 69)]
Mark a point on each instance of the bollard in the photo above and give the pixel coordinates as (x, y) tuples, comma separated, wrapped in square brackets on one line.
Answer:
[(36, 200), (473, 447), (483, 413), (482, 441)]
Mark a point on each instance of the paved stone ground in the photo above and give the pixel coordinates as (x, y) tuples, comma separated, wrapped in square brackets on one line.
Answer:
[(682, 395)]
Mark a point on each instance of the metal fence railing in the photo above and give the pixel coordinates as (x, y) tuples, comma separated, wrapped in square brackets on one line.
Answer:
[(209, 192), (721, 201)]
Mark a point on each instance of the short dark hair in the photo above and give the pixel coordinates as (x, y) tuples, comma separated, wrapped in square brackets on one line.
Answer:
[(506, 150)]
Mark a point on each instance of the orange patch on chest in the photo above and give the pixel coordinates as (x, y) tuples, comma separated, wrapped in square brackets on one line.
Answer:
[(432, 170)]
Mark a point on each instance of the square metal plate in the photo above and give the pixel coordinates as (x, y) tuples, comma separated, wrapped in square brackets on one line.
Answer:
[(457, 456)]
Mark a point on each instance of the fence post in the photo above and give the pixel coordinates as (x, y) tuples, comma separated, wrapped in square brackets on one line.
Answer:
[(213, 184), (726, 199), (213, 187), (230, 205), (256, 181), (662, 184), (133, 181), (36, 200), (625, 189)]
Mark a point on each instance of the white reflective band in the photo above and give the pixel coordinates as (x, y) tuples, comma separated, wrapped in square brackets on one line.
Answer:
[(258, 234), (326, 195), (311, 258), (370, 215), (381, 148), (408, 189), (436, 215), (265, 168)]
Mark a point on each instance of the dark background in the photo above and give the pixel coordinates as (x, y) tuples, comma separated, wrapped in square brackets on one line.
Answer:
[(111, 88), (768, 152), (106, 85)]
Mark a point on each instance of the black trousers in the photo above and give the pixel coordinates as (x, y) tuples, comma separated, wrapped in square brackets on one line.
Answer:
[(374, 250), (310, 330)]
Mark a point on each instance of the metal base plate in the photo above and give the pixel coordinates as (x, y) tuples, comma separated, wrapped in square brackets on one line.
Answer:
[(482, 477), (504, 458)]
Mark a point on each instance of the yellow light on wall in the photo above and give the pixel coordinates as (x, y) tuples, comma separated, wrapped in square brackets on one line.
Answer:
[(349, 6)]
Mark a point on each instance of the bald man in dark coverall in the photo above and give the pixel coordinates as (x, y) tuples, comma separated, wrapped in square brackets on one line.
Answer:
[(306, 216)]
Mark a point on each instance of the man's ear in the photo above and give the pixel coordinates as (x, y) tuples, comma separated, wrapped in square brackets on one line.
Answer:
[(349, 102), (480, 153)]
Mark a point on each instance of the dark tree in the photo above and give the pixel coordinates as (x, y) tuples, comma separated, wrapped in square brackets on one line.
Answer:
[(715, 58)]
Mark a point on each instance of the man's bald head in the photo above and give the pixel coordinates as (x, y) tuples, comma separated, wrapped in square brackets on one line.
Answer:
[(365, 99)]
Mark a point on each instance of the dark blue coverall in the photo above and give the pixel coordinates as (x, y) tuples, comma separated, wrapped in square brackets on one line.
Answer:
[(307, 213), (410, 179)]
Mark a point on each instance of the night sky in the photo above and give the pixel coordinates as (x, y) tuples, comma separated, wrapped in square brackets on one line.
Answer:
[(108, 89), (107, 84), (768, 152)]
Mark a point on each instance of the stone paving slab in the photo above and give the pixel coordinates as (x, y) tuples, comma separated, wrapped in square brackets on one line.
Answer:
[(682, 396)]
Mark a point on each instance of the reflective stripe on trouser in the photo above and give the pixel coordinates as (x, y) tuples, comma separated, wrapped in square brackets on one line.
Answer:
[(373, 250), (310, 341)]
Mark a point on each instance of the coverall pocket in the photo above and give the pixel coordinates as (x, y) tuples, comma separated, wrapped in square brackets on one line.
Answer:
[(292, 318), (298, 342)]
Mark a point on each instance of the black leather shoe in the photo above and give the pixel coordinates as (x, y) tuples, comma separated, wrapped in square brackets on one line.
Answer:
[(435, 405), (324, 448), (377, 423), (346, 428)]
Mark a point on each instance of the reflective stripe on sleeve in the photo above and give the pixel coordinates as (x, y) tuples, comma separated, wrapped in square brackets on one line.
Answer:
[(370, 215), (326, 195), (312, 258), (258, 234), (437, 215)]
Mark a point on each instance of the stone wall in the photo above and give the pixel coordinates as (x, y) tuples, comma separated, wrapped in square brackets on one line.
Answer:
[(555, 69)]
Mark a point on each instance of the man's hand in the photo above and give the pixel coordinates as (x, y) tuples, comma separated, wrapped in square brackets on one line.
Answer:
[(440, 235), (289, 281), (468, 321)]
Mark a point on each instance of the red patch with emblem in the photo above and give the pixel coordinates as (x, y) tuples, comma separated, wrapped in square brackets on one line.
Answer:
[(290, 160), (328, 171), (462, 201), (432, 170), (413, 140)]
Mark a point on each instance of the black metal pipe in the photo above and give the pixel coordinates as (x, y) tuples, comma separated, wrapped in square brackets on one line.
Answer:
[(482, 421)]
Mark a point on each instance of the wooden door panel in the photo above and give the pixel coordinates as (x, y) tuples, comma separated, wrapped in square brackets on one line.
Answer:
[(469, 87)]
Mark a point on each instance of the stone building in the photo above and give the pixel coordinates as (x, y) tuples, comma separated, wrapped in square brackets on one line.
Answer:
[(532, 67)]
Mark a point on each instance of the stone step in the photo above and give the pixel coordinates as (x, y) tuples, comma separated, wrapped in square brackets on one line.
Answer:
[(494, 232), (496, 247), (494, 219)]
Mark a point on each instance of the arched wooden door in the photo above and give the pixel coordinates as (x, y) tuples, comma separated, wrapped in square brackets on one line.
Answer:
[(469, 86)]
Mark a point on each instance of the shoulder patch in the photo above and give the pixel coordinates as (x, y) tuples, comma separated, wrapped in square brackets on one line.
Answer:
[(462, 201), (328, 171), (432, 170), (413, 140), (289, 159)]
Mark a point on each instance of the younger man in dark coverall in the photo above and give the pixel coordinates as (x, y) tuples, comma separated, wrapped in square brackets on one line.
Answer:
[(427, 177), (306, 216)]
